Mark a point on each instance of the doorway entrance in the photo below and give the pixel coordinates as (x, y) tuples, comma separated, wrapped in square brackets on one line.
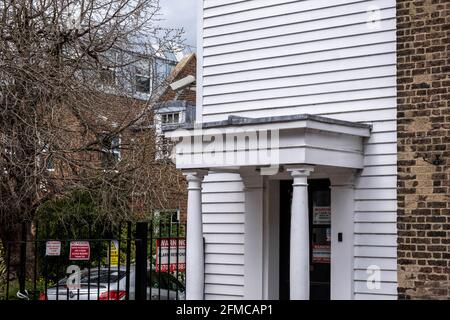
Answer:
[(320, 238)]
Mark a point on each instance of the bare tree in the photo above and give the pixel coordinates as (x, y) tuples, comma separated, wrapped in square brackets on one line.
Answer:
[(60, 108)]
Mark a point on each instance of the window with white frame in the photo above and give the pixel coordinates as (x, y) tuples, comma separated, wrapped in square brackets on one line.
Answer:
[(171, 216), (111, 155), (170, 118)]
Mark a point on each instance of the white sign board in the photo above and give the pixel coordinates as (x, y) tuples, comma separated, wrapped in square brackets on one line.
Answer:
[(172, 246), (53, 248), (321, 215)]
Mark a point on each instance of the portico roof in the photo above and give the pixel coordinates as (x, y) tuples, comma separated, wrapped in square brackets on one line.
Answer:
[(268, 141)]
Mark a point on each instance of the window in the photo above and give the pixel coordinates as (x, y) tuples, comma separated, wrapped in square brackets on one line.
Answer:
[(108, 76), (48, 158), (175, 217), (142, 81), (170, 118), (162, 68), (94, 277), (110, 151), (172, 216)]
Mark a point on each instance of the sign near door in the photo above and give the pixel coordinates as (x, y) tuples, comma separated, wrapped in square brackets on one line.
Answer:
[(321, 253), (321, 215)]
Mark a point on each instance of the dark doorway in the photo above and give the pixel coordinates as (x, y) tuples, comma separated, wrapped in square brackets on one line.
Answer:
[(320, 242)]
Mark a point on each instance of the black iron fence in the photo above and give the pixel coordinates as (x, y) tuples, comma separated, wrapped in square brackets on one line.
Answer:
[(137, 261)]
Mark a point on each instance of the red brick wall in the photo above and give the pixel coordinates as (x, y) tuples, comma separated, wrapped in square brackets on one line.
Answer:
[(185, 68)]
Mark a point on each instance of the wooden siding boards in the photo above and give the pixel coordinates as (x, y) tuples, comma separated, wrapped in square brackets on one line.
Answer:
[(319, 57), (223, 229)]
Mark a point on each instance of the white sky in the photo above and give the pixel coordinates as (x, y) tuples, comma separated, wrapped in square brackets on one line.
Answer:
[(181, 14)]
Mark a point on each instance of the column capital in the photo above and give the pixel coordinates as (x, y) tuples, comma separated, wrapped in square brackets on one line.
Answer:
[(300, 171), (194, 175)]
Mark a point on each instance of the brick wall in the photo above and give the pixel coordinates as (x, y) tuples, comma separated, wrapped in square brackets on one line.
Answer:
[(186, 67), (423, 149)]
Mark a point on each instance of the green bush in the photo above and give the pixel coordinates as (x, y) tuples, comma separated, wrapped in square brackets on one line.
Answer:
[(29, 286)]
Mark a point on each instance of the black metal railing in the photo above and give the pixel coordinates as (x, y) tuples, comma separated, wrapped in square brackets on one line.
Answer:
[(137, 261)]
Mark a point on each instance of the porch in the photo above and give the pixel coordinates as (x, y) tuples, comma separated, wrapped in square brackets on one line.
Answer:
[(261, 153)]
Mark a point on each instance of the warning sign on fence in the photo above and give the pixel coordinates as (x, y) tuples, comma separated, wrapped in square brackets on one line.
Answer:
[(114, 253), (176, 248), (80, 250), (53, 248)]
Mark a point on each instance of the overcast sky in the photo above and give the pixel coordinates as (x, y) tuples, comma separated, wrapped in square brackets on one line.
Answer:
[(181, 14)]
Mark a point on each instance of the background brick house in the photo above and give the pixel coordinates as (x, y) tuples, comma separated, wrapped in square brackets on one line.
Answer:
[(115, 148)]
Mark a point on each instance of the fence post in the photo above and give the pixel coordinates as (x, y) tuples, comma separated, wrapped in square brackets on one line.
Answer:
[(23, 258), (128, 261), (141, 260)]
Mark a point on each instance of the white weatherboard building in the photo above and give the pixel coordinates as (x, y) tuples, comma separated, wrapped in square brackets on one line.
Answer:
[(292, 164)]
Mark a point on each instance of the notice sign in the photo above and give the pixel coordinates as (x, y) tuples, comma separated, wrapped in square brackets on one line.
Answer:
[(166, 246), (321, 253), (53, 248), (80, 250), (114, 253), (322, 215)]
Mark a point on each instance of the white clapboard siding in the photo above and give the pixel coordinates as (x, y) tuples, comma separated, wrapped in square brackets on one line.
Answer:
[(300, 80), (376, 227), (376, 205), (379, 171), (223, 218), (371, 296), (222, 269), (325, 66), (367, 252), (372, 194), (224, 279), (306, 28), (375, 239), (376, 216), (286, 57), (236, 290), (384, 288), (210, 296), (362, 263), (223, 205), (385, 275), (224, 248)]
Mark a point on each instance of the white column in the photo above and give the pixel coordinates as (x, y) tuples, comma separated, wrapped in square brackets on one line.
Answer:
[(299, 247), (253, 239), (195, 257), (342, 222)]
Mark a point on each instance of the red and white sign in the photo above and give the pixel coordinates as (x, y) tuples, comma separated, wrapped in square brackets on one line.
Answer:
[(163, 247), (80, 250), (321, 253), (53, 248)]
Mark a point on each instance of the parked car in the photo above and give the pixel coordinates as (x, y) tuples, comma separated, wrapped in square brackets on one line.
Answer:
[(95, 285)]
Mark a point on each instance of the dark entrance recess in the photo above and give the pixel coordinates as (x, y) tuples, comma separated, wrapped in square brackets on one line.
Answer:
[(320, 242)]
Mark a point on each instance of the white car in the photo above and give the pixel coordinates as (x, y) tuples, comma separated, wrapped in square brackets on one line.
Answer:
[(95, 285)]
